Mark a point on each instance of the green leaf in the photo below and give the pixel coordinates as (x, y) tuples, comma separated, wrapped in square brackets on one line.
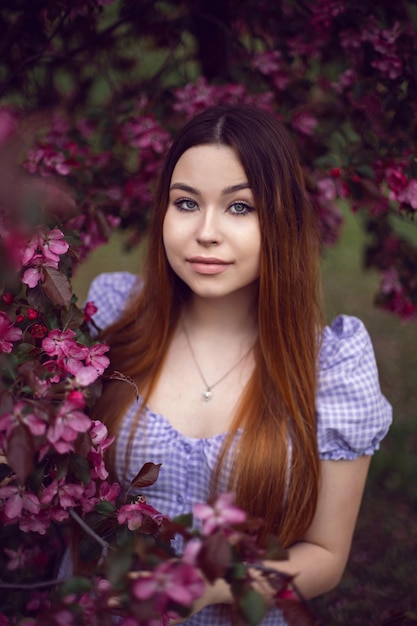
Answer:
[(253, 606), (366, 171), (80, 468), (185, 520), (146, 476), (57, 286), (104, 508), (75, 585), (118, 564), (89, 550)]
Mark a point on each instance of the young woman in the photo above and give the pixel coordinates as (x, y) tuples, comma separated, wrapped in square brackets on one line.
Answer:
[(243, 388)]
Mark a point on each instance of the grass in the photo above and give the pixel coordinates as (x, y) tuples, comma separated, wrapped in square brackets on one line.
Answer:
[(382, 572)]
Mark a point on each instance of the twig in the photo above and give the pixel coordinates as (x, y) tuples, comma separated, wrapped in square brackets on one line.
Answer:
[(28, 586), (104, 544)]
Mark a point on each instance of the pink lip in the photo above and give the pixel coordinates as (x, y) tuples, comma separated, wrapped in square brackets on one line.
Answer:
[(208, 265)]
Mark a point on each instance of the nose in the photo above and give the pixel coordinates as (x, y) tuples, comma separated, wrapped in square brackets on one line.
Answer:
[(209, 232)]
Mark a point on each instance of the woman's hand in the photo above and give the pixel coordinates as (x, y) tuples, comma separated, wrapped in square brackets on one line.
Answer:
[(215, 593)]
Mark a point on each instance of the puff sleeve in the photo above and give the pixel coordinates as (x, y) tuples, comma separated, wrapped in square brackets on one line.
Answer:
[(109, 293), (352, 414)]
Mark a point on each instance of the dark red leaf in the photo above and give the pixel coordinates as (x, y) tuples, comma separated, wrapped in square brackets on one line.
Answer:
[(57, 286), (296, 613), (72, 317), (20, 451), (215, 556), (6, 402), (147, 476)]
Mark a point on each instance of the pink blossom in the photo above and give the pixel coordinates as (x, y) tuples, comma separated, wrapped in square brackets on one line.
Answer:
[(59, 343), (69, 422), (409, 194), (8, 333), (169, 581), (97, 460), (52, 244), (191, 552), (17, 558), (17, 500), (96, 359), (130, 514), (89, 310), (64, 494), (396, 179), (90, 496), (109, 492), (37, 523), (133, 514), (22, 414), (327, 189), (99, 435), (346, 80), (267, 62), (33, 275), (390, 65), (304, 122), (221, 515), (77, 400)]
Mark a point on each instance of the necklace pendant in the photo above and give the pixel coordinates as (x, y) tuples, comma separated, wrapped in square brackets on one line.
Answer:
[(207, 395)]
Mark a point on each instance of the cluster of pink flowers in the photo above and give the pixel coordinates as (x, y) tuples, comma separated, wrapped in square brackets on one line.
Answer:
[(43, 250), (85, 363), (8, 333), (198, 96), (401, 189)]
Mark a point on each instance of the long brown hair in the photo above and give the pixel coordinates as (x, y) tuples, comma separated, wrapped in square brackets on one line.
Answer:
[(276, 470)]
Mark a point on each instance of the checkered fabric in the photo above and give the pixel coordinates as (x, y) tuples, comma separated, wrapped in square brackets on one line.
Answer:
[(353, 417)]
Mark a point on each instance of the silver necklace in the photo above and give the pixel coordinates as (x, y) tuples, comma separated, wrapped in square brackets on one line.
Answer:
[(208, 393)]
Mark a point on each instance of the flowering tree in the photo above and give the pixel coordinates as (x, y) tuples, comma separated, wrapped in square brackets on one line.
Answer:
[(90, 100)]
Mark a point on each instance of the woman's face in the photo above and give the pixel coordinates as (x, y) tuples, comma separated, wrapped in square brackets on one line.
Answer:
[(211, 229)]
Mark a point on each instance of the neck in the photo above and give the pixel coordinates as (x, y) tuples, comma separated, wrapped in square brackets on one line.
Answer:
[(235, 314)]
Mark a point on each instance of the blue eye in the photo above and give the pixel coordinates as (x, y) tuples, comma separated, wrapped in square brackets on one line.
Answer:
[(186, 204), (240, 208)]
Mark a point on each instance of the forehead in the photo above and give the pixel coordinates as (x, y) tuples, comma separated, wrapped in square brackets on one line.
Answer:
[(207, 164)]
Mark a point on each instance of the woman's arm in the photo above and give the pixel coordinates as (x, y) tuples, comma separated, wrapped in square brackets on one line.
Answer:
[(319, 559)]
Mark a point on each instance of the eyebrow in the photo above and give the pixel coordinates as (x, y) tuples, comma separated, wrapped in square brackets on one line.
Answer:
[(226, 191)]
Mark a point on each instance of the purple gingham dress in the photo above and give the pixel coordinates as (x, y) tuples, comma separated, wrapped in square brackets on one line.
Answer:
[(353, 417)]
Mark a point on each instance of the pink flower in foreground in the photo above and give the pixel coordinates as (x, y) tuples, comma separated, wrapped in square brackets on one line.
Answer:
[(22, 415), (17, 558), (89, 310), (68, 424), (17, 500), (8, 333), (221, 515), (133, 514), (59, 342), (130, 514), (65, 494), (52, 244), (96, 359), (170, 581)]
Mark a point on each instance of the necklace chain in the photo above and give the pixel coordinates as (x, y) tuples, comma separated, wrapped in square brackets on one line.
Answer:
[(208, 394)]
